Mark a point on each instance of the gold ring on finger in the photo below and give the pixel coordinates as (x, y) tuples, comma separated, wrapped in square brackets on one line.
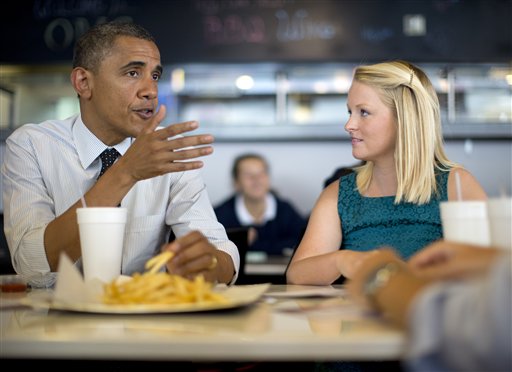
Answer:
[(213, 264)]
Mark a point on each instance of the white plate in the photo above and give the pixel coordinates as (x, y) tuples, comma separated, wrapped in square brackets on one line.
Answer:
[(237, 296)]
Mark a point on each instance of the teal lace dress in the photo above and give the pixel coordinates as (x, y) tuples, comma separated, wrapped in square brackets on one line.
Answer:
[(369, 223)]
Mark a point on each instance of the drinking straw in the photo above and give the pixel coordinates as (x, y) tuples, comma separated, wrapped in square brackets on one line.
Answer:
[(503, 191), (457, 184), (78, 188), (83, 201)]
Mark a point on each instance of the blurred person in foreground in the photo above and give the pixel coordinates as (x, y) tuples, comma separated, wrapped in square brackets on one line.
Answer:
[(274, 223), (393, 199), (49, 166), (454, 300)]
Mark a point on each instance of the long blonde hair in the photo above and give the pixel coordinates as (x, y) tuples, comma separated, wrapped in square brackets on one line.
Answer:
[(419, 150)]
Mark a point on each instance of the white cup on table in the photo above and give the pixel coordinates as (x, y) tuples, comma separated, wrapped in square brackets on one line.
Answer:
[(101, 240), (465, 221), (500, 221)]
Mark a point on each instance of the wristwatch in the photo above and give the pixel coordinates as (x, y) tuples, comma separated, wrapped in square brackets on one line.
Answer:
[(379, 279)]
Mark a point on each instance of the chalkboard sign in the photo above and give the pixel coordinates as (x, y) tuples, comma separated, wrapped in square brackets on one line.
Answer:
[(44, 31)]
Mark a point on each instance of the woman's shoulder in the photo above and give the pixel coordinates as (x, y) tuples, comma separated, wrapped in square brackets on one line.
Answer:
[(331, 192), (462, 180)]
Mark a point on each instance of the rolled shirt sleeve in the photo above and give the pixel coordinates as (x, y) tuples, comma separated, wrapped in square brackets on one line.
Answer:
[(465, 325)]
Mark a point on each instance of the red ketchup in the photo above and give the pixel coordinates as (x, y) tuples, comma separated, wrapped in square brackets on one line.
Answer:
[(14, 287)]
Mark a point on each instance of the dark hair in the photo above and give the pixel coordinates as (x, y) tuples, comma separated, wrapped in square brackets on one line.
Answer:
[(96, 43), (240, 158)]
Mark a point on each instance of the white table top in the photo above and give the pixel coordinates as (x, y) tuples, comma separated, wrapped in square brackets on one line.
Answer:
[(273, 329)]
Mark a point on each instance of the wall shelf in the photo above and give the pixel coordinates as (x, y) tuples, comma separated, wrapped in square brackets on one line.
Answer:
[(286, 102), (308, 102)]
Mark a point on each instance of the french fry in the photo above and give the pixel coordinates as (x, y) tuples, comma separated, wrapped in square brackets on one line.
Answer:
[(155, 287), (154, 264)]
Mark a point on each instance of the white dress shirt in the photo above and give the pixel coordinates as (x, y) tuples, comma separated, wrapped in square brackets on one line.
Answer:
[(463, 325), (49, 166), (246, 218)]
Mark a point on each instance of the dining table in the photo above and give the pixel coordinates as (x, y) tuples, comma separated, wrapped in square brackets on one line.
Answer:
[(284, 323)]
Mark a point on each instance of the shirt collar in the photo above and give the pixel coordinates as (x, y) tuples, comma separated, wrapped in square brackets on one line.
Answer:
[(89, 147), (246, 218)]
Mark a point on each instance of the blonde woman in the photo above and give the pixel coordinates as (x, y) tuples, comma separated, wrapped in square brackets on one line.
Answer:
[(393, 199)]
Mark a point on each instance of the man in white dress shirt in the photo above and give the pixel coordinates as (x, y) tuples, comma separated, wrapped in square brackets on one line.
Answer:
[(49, 166)]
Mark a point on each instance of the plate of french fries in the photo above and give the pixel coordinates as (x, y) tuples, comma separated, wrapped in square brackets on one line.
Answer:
[(157, 291), (217, 299)]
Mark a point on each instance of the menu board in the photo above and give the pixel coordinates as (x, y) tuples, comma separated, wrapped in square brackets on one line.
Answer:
[(44, 31)]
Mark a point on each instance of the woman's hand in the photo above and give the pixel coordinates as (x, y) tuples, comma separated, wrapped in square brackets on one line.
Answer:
[(366, 266), (348, 262)]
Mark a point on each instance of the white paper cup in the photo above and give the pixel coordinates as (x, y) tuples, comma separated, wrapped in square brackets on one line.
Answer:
[(465, 222), (101, 239), (500, 222)]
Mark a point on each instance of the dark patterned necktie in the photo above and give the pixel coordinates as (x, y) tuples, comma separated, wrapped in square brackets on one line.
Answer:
[(108, 157)]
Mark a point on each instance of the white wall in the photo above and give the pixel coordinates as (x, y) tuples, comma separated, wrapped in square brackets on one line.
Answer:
[(298, 169)]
